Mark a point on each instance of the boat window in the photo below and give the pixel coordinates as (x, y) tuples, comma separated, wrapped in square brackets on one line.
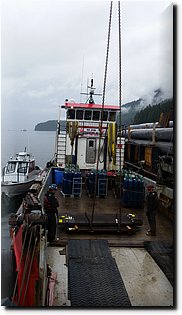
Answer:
[(31, 166), (88, 115), (79, 114), (105, 115), (112, 116), (96, 114), (11, 167), (71, 114), (22, 167)]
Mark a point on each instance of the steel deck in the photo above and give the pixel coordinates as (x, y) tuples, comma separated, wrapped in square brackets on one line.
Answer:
[(163, 254), (108, 208)]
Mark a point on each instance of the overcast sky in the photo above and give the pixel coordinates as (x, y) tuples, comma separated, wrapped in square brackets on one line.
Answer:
[(51, 50)]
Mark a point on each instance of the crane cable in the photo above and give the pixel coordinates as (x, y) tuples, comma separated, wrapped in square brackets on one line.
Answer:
[(120, 96), (102, 110)]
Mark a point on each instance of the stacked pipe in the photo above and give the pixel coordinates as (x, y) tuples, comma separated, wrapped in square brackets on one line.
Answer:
[(145, 134)]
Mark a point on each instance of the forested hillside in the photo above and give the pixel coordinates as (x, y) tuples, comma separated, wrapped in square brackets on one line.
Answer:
[(152, 113), (50, 125)]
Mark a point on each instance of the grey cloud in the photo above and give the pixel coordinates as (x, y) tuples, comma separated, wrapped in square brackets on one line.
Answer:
[(46, 45)]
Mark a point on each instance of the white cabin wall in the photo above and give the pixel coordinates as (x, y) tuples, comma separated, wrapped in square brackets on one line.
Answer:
[(81, 154), (81, 157)]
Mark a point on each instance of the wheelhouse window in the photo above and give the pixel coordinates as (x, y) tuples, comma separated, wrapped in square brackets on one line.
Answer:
[(71, 114), (11, 167), (22, 167), (96, 115), (105, 115), (112, 116), (88, 115), (79, 114)]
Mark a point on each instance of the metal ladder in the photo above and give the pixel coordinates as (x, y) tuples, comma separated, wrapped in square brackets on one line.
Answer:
[(122, 143), (61, 149), (77, 186)]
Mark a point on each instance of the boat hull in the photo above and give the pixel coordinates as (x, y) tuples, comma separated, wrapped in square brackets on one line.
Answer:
[(15, 189)]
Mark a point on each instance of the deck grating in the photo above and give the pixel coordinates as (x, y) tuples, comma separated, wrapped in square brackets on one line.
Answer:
[(93, 277)]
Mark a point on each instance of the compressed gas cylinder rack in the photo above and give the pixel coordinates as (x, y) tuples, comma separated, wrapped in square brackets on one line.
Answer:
[(72, 182), (132, 190), (101, 185)]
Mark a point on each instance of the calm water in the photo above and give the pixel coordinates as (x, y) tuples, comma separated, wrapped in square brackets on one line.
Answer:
[(41, 144)]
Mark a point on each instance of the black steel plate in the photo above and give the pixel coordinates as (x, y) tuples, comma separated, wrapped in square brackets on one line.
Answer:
[(93, 277)]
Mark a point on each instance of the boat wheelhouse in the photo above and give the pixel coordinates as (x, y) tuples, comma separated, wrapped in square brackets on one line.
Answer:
[(18, 174), (87, 125)]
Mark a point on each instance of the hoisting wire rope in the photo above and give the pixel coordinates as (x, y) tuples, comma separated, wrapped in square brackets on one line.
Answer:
[(102, 111), (120, 96)]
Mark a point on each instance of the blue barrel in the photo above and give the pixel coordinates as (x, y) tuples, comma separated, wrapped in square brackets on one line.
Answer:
[(58, 176)]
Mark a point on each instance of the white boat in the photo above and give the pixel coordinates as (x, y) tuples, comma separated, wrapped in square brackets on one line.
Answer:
[(19, 174)]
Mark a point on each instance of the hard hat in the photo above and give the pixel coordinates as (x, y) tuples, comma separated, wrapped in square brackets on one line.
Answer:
[(53, 187)]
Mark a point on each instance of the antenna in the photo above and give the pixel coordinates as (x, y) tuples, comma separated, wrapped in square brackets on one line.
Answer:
[(82, 79), (91, 93)]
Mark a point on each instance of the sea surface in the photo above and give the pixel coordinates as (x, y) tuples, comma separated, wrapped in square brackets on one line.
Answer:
[(41, 144)]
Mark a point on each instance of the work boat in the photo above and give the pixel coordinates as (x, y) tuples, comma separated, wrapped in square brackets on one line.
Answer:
[(111, 262), (19, 174), (102, 256)]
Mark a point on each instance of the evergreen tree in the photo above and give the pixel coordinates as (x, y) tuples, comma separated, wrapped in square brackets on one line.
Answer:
[(152, 113)]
